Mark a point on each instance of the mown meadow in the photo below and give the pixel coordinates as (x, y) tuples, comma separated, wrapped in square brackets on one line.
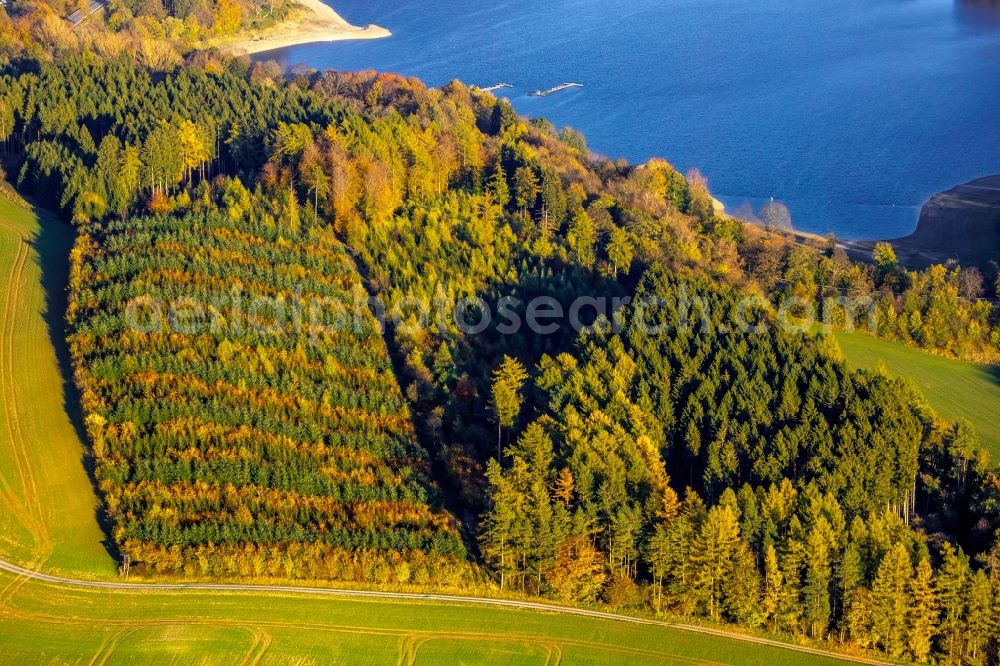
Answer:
[(956, 389)]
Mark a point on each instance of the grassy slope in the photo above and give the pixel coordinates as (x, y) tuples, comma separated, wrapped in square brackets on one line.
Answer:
[(230, 628), (47, 521), (47, 503), (955, 389)]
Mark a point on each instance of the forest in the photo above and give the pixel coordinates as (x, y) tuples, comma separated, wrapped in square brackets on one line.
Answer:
[(253, 443), (154, 33), (660, 459)]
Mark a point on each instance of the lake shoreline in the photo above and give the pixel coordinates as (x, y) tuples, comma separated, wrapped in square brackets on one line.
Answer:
[(961, 223), (317, 22)]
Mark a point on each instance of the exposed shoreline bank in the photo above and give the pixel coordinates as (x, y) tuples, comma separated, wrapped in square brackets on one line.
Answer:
[(317, 22), (962, 223)]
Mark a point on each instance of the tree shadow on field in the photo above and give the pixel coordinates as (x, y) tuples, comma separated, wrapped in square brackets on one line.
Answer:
[(992, 373), (53, 244)]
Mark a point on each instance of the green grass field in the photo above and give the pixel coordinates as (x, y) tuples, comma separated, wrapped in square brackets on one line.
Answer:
[(955, 389), (48, 521), (49, 508), (45, 622)]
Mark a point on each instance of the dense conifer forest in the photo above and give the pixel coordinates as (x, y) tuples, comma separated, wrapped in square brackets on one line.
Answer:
[(277, 321)]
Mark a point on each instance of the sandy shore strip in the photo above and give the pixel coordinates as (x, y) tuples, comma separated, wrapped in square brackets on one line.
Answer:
[(317, 22)]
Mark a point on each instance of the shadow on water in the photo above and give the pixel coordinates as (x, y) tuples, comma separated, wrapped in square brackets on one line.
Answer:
[(53, 244), (979, 14)]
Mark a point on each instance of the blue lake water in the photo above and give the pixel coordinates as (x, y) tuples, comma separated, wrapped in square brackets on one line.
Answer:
[(852, 112)]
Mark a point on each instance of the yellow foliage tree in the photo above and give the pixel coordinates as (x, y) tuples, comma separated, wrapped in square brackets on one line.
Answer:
[(227, 17), (194, 152)]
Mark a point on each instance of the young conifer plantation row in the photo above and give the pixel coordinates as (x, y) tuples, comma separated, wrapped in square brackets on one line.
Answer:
[(247, 436), (664, 459)]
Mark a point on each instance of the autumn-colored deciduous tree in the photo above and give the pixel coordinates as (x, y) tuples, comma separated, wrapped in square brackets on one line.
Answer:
[(922, 617), (620, 250), (576, 573), (227, 17), (191, 146), (715, 547), (581, 238), (890, 600)]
